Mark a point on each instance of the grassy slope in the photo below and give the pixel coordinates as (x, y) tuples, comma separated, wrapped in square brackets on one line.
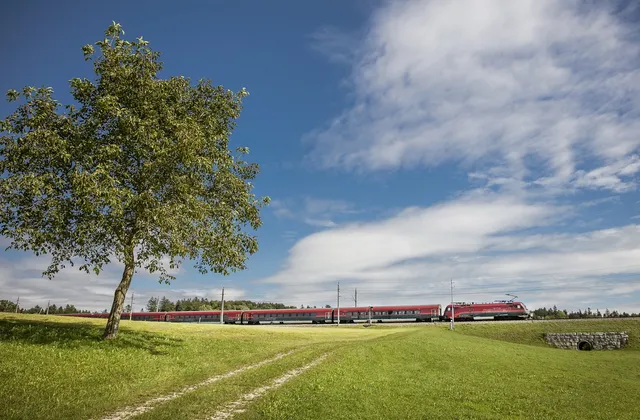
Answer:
[(435, 373), (57, 367), (532, 332)]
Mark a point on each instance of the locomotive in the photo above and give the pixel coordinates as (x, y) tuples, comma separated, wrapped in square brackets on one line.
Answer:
[(462, 311)]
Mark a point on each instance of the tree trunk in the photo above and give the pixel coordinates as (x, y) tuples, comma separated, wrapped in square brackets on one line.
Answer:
[(113, 324)]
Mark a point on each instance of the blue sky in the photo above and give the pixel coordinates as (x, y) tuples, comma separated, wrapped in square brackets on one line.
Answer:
[(403, 143)]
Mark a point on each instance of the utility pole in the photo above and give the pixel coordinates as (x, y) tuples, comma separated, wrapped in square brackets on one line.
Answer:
[(370, 309), (355, 298), (222, 308), (338, 304), (17, 304), (158, 304), (452, 308), (131, 309), (48, 304)]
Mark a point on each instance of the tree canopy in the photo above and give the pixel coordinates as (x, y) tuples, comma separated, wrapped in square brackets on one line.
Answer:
[(138, 170)]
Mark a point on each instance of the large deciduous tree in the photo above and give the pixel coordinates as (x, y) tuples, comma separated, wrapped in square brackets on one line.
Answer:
[(139, 170)]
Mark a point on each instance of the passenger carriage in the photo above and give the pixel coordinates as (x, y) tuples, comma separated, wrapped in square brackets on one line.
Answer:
[(498, 310), (269, 316)]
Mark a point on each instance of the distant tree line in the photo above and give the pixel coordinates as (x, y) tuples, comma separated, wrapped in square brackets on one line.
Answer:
[(204, 304), (555, 313), (166, 305), (9, 306)]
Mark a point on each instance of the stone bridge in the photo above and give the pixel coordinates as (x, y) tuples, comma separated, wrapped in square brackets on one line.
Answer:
[(588, 341)]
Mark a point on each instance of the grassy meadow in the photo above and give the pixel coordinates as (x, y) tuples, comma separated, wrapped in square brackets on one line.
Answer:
[(479, 371), (56, 367)]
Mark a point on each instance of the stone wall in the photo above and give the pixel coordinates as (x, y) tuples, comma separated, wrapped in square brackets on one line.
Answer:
[(588, 341)]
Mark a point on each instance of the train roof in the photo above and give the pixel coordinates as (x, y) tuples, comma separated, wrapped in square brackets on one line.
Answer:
[(391, 307), (498, 302), (287, 310)]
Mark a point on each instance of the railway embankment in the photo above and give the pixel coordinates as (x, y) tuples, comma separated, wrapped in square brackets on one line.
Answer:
[(588, 341)]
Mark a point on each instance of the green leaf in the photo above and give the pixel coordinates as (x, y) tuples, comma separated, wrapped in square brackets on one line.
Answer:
[(12, 95)]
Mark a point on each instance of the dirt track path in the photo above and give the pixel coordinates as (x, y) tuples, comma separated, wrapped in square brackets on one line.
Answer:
[(149, 405), (241, 403)]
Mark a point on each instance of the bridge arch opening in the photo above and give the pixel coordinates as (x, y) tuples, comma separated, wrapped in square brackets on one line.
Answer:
[(585, 346)]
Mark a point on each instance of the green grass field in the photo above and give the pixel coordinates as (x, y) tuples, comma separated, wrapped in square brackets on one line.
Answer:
[(57, 367)]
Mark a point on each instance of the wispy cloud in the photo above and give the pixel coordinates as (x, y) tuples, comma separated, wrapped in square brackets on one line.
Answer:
[(618, 176), (600, 201), (313, 211), (482, 240), (463, 225), (537, 87)]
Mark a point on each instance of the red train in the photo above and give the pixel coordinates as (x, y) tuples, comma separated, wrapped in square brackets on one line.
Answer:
[(498, 310), (419, 313)]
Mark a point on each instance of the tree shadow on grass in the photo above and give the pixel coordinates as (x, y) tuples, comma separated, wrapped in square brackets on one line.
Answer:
[(81, 334)]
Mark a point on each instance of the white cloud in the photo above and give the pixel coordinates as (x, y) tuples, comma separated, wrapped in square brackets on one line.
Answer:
[(459, 226), (313, 211), (611, 177), (21, 276), (599, 201), (289, 235), (538, 87), (280, 209), (482, 240)]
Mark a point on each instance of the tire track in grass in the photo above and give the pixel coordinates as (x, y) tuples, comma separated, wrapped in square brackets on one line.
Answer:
[(240, 404), (131, 411)]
